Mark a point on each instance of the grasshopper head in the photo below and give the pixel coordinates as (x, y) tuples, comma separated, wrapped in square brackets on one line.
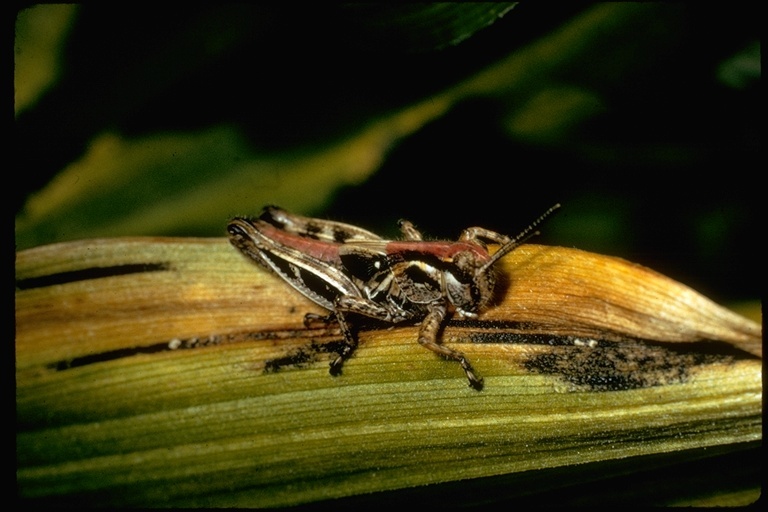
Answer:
[(470, 283)]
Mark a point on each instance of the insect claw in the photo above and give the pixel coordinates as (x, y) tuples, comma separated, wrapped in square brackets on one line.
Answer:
[(475, 381), (342, 356), (336, 365)]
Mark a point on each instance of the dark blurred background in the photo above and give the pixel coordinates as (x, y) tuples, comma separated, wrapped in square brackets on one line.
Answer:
[(641, 119)]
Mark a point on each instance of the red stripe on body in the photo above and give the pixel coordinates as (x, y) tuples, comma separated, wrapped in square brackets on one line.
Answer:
[(321, 250)]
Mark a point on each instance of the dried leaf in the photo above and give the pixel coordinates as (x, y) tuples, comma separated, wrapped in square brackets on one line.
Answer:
[(174, 372)]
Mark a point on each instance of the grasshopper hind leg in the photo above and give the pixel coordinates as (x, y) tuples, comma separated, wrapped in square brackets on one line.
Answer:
[(350, 339), (350, 344), (361, 307)]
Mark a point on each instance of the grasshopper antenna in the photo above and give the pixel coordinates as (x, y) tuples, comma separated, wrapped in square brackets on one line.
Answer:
[(527, 233)]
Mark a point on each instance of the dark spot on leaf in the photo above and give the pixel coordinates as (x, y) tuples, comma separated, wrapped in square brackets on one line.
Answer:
[(303, 357), (90, 273), (618, 366)]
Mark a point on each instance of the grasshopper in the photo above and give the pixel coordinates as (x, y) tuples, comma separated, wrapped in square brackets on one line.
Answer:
[(351, 271)]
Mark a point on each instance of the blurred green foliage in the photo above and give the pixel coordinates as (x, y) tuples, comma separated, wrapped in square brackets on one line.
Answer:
[(640, 118)]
